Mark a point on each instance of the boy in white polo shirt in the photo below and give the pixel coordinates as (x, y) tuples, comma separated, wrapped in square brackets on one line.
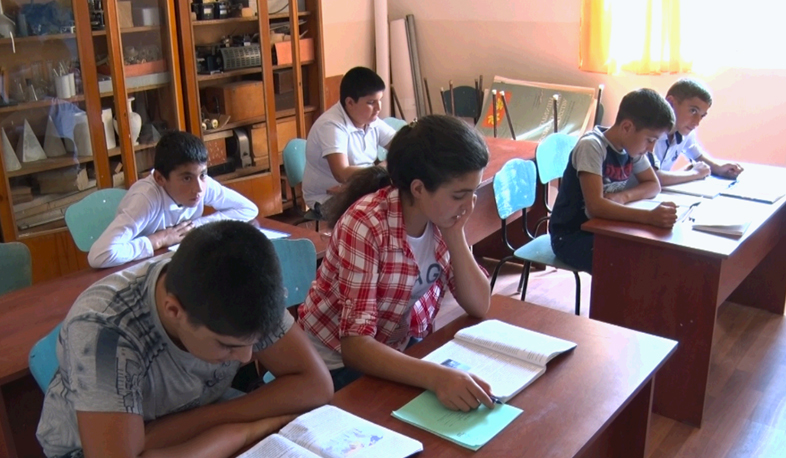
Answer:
[(691, 100), (159, 210), (345, 138)]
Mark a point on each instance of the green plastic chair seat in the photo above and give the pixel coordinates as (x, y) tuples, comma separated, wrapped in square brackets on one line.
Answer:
[(396, 124), (16, 267), (552, 156), (298, 261), (88, 218), (43, 358), (294, 157), (539, 251)]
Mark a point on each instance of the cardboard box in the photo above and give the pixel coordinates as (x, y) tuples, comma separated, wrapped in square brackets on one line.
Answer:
[(259, 150), (283, 81), (241, 100), (125, 14), (282, 51), (216, 151), (62, 180)]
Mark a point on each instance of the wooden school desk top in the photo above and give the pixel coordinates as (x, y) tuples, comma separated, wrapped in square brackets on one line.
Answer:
[(28, 314), (592, 401)]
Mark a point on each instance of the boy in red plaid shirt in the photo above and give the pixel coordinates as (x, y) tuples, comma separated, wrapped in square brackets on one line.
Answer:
[(398, 244)]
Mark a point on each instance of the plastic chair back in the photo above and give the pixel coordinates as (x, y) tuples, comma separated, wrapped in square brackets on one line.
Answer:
[(514, 187), (553, 154), (88, 218), (43, 358), (298, 260), (466, 98), (294, 157), (396, 124), (16, 267)]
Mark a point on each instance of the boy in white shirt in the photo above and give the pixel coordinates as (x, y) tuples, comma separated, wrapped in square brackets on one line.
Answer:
[(159, 210)]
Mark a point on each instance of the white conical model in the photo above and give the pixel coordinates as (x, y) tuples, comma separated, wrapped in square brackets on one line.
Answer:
[(9, 157), (53, 144), (29, 146)]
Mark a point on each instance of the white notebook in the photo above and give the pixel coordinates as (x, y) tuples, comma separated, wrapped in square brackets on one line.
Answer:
[(330, 432), (707, 187), (508, 357)]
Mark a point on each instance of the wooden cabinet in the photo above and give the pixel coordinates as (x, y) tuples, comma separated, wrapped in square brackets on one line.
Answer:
[(87, 89), (259, 74)]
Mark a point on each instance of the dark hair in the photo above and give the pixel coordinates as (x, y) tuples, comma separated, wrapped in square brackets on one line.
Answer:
[(646, 109), (177, 148), (359, 82), (687, 88), (434, 150), (227, 277)]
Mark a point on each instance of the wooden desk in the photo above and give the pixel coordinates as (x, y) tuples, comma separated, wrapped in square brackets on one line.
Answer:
[(670, 283), (28, 314), (484, 222), (592, 401)]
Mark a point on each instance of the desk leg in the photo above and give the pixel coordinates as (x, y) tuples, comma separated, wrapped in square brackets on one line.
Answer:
[(668, 293), (7, 448), (765, 286)]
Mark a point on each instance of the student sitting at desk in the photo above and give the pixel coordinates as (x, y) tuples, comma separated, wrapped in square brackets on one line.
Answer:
[(691, 100), (594, 182), (398, 244), (344, 139), (159, 210), (146, 354)]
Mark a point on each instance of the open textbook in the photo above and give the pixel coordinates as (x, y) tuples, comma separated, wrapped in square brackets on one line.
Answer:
[(330, 432), (508, 357), (684, 203), (708, 187), (729, 217)]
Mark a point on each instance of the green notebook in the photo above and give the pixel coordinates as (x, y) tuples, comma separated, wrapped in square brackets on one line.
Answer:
[(468, 429)]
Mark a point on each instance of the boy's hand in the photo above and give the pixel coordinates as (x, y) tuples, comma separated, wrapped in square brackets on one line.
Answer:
[(459, 390), (171, 235), (729, 170), (700, 169), (259, 429), (664, 215)]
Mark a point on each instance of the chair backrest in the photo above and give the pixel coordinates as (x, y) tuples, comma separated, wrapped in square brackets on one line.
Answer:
[(43, 358), (294, 157), (552, 156), (514, 187), (88, 218), (396, 124), (298, 259), (16, 267), (466, 98)]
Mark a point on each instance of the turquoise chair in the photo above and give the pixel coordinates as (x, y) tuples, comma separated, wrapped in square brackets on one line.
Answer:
[(514, 190), (396, 124), (43, 358), (294, 156), (298, 260), (552, 157), (16, 267), (88, 218)]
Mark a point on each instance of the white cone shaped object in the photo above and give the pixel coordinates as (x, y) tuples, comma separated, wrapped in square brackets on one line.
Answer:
[(53, 144), (29, 146), (9, 157)]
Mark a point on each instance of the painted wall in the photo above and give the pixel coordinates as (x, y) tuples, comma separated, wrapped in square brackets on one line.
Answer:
[(538, 40), (348, 27)]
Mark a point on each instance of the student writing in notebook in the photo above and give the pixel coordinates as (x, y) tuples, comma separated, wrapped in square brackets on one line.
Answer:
[(691, 100), (159, 210), (595, 180), (147, 355), (397, 246)]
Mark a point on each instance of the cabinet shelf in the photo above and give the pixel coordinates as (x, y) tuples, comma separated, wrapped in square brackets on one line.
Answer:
[(131, 90), (231, 20), (142, 146), (49, 164), (41, 103), (210, 134), (38, 38), (240, 173), (245, 71), (145, 28), (286, 15)]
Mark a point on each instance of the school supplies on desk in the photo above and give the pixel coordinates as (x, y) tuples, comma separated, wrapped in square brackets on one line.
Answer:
[(330, 432), (683, 202), (471, 429), (728, 217), (706, 187), (764, 191), (508, 357)]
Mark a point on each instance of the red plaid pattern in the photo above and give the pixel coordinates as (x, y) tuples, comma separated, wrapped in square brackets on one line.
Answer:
[(365, 282)]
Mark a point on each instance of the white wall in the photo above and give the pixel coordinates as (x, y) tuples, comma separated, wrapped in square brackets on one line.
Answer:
[(348, 27), (539, 40)]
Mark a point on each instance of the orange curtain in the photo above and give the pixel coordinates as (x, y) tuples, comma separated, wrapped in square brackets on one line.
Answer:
[(641, 36)]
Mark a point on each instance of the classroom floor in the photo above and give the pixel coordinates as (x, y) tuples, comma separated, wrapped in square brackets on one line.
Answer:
[(745, 412)]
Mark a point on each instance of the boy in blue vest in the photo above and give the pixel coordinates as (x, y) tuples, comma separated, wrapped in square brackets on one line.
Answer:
[(594, 182)]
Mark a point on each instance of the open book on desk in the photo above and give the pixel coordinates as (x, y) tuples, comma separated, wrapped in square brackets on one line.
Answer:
[(728, 217), (508, 357), (330, 432), (709, 187), (684, 203)]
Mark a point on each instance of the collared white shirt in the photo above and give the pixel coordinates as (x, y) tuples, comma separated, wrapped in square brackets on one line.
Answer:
[(666, 152), (333, 132), (147, 208)]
